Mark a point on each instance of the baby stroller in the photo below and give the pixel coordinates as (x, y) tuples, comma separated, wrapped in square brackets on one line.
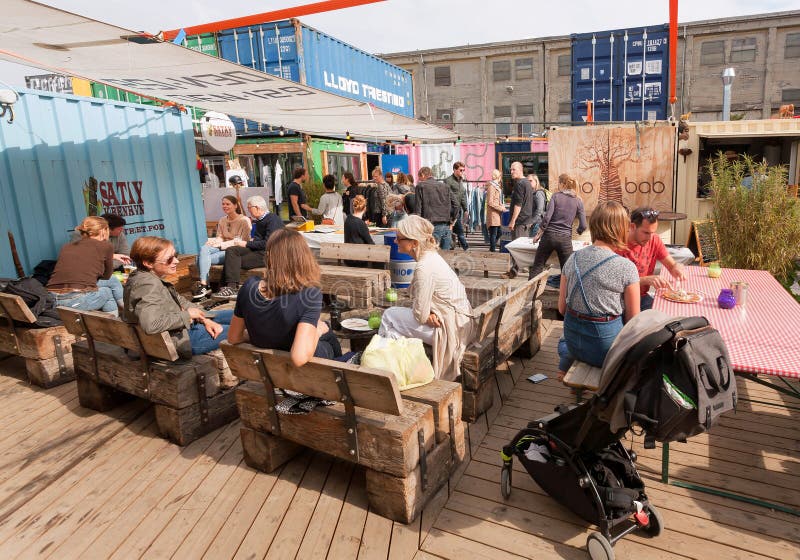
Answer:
[(666, 378)]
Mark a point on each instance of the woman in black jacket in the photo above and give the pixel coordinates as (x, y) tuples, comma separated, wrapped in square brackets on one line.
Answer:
[(356, 230)]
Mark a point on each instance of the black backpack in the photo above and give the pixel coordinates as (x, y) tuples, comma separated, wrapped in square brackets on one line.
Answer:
[(686, 381), (41, 302)]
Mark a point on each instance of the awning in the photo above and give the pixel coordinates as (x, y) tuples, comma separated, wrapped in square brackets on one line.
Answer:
[(58, 41)]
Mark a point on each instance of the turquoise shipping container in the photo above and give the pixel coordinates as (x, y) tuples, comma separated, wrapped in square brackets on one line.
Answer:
[(65, 157)]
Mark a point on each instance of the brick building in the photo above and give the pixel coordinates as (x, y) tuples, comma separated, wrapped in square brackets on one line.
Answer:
[(513, 88)]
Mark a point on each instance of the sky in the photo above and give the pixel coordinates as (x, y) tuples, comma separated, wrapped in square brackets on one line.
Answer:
[(407, 25)]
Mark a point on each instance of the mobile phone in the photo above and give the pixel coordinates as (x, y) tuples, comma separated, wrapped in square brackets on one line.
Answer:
[(537, 378)]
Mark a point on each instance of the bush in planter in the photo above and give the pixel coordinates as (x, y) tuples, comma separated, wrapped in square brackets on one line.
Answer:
[(758, 227)]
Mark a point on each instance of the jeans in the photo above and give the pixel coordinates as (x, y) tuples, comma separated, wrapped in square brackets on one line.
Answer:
[(458, 229), (495, 233), (646, 302), (535, 229), (100, 300), (328, 347), (114, 285), (586, 341), (561, 244), (443, 235), (202, 343), (208, 256)]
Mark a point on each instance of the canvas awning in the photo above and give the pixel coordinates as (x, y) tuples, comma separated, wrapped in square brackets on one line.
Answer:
[(58, 41)]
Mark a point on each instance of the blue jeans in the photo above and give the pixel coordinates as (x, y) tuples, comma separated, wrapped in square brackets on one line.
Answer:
[(646, 302), (202, 343), (458, 229), (328, 347), (114, 285), (443, 235), (495, 233), (100, 300), (208, 256), (586, 341)]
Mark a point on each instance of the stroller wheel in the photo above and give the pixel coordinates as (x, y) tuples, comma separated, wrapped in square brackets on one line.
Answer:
[(505, 481), (656, 524), (599, 548)]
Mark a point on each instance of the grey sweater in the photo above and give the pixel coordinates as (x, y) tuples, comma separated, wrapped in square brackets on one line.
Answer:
[(564, 207)]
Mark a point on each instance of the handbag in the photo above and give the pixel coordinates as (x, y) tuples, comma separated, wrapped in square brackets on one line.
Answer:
[(404, 357)]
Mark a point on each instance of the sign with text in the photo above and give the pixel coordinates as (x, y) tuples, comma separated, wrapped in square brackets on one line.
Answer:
[(632, 165)]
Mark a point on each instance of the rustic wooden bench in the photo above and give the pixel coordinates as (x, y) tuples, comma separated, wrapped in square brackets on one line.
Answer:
[(341, 252), (47, 351), (188, 395), (355, 286), (408, 446), (506, 324), (477, 262)]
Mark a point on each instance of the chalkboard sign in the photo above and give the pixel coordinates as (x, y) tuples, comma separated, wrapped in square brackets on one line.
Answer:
[(703, 241)]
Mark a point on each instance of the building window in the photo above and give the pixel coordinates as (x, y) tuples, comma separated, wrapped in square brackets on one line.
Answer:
[(792, 48), (502, 129), (502, 111), (523, 68), (444, 118), (791, 96), (525, 129), (564, 65), (712, 53), (441, 76), (743, 50), (524, 111), (501, 70)]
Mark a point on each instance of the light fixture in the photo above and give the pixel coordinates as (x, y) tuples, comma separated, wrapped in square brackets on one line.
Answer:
[(281, 131), (459, 139), (347, 135), (406, 137)]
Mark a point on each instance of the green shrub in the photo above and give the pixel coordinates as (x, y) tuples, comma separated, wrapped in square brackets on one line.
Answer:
[(314, 192), (758, 228)]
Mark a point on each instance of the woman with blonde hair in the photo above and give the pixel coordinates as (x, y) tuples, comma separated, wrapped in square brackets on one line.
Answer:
[(441, 315), (494, 209), (80, 265), (598, 290), (282, 310), (233, 226), (556, 232), (155, 305)]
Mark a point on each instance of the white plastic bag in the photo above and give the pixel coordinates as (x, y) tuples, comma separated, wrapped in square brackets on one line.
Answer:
[(404, 357)]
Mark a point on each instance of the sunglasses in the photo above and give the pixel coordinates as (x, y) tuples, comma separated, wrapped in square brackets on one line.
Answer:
[(649, 215), (170, 260)]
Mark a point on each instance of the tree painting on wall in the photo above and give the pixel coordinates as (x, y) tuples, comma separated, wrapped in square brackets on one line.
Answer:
[(607, 152)]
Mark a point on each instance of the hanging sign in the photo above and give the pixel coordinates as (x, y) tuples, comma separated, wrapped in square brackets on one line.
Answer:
[(218, 131)]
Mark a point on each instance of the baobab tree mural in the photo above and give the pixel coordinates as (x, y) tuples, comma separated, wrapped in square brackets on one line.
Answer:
[(607, 151)]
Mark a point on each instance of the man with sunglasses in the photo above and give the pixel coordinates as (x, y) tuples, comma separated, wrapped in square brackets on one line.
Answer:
[(645, 248)]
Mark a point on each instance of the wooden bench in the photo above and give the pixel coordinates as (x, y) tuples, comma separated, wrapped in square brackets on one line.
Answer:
[(341, 252), (188, 395), (47, 351), (506, 324), (408, 446), (477, 262), (355, 286)]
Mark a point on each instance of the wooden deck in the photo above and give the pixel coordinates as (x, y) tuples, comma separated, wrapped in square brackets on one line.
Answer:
[(80, 484)]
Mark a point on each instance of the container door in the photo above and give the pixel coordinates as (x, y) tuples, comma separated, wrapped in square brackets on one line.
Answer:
[(643, 68), (592, 69)]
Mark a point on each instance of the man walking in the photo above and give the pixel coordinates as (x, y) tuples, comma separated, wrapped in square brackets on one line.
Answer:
[(521, 209), (436, 203), (455, 183), (246, 255), (645, 248)]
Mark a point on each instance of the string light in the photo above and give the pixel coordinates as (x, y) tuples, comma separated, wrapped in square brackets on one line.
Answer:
[(282, 131), (347, 135), (406, 137)]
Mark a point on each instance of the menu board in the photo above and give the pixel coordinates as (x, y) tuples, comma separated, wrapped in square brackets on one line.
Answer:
[(703, 241)]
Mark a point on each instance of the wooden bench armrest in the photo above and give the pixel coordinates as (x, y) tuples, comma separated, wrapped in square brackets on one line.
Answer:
[(369, 388), (14, 307)]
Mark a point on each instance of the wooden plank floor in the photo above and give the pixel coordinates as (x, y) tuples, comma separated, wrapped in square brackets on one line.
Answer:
[(80, 484)]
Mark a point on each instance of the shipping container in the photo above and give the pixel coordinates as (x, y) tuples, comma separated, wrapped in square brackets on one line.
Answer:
[(302, 54), (625, 73), (65, 157)]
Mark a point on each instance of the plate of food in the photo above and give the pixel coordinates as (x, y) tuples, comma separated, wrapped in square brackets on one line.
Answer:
[(356, 325), (682, 296)]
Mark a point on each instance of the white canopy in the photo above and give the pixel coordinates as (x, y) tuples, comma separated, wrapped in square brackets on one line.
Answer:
[(58, 41)]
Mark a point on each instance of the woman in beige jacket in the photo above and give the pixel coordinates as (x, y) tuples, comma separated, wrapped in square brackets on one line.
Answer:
[(494, 209), (441, 315)]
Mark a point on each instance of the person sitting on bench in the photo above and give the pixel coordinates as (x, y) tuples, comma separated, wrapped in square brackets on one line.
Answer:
[(598, 288), (153, 303), (282, 310), (441, 315)]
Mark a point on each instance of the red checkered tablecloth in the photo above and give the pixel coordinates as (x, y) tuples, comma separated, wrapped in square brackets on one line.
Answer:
[(761, 337)]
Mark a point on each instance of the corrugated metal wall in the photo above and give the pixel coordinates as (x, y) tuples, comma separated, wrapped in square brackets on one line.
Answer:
[(141, 159)]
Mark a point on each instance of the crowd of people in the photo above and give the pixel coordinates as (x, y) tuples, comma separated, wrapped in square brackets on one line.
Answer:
[(601, 286)]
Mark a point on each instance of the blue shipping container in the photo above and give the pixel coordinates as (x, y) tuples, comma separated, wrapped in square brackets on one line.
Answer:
[(300, 53), (615, 68), (65, 157)]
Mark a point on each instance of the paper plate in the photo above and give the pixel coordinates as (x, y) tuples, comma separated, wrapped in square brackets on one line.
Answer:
[(356, 325)]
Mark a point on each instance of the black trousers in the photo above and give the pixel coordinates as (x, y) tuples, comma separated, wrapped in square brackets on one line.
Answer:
[(238, 259), (561, 244)]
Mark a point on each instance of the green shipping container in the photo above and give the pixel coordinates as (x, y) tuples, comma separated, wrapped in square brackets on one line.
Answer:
[(206, 43)]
